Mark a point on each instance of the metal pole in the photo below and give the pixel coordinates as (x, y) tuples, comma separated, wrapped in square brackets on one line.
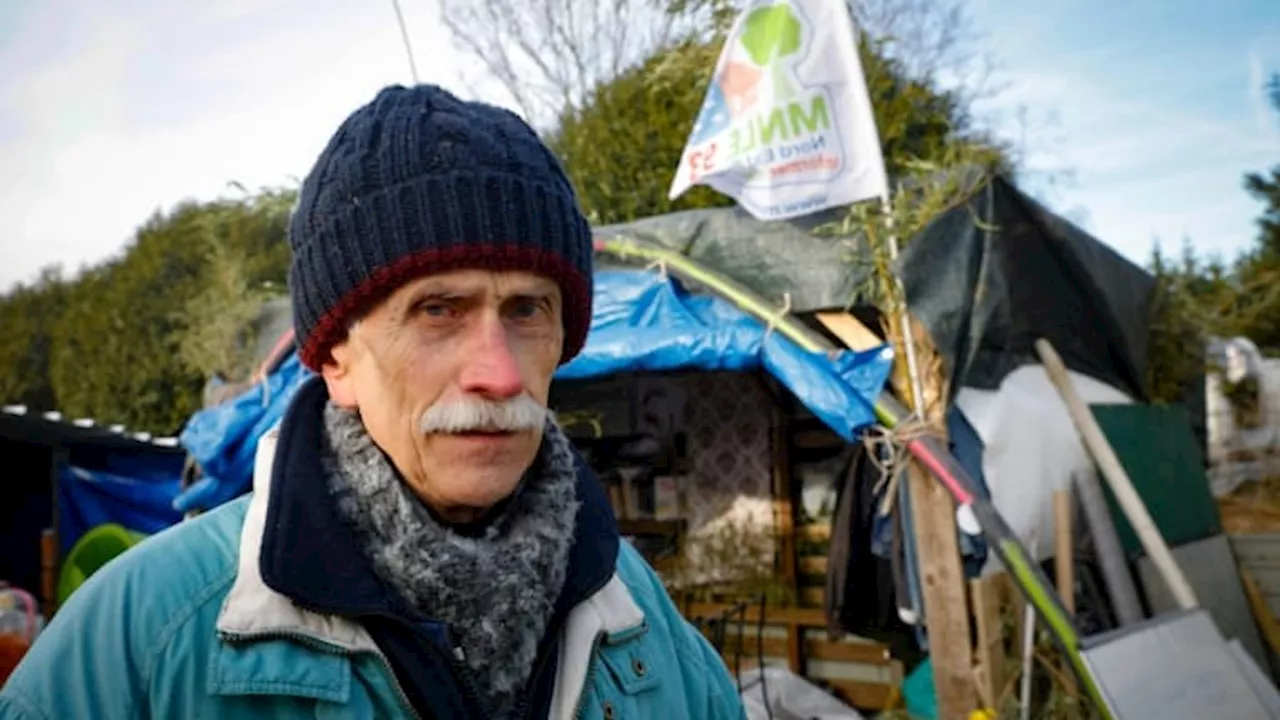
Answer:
[(404, 35)]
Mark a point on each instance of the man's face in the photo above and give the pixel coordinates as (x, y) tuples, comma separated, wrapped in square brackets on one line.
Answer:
[(450, 375)]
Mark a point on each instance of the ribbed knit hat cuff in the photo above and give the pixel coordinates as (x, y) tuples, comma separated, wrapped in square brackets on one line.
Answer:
[(332, 326), (367, 247)]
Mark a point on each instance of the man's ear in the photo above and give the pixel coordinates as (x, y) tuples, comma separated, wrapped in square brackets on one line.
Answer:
[(339, 376)]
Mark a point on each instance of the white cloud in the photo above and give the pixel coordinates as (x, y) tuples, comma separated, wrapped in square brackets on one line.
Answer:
[(125, 108)]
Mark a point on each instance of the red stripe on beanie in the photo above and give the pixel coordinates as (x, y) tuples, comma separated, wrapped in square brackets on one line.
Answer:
[(383, 281)]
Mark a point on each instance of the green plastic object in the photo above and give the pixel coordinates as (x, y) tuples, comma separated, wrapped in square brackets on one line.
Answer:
[(1158, 451), (93, 550)]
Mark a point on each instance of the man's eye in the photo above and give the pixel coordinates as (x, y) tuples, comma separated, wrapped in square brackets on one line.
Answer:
[(526, 309), (434, 309)]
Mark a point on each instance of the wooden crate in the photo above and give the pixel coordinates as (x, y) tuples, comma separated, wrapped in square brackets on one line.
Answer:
[(860, 672)]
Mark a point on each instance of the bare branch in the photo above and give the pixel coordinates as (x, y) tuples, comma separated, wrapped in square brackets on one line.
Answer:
[(548, 55)]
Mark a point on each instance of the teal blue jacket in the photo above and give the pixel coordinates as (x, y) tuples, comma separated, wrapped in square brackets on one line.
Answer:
[(183, 626)]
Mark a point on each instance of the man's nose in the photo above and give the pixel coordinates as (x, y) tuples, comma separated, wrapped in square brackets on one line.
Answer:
[(491, 369)]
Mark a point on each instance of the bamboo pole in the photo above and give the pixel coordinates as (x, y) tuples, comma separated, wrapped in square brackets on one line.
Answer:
[(1121, 486)]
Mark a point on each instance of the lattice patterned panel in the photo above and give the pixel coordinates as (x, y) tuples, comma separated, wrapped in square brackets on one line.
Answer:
[(730, 481)]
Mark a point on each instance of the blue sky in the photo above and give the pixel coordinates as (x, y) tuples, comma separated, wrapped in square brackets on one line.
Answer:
[(1154, 106), (109, 111)]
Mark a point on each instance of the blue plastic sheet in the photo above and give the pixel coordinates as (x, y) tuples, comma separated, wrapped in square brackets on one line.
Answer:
[(141, 501), (642, 321), (224, 438)]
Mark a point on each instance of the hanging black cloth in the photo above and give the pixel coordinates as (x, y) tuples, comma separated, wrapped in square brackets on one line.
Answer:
[(860, 597)]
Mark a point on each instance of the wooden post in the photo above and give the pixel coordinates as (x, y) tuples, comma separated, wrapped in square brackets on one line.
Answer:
[(50, 538), (933, 515), (941, 575), (48, 571), (785, 516), (1064, 550), (783, 501)]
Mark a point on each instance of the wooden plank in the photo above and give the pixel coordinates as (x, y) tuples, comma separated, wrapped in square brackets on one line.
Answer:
[(1266, 619), (49, 570), (795, 650), (814, 531), (863, 695), (990, 660), (808, 617), (1064, 557), (812, 596), (1064, 551), (850, 330), (813, 565), (1257, 550), (863, 653), (814, 649)]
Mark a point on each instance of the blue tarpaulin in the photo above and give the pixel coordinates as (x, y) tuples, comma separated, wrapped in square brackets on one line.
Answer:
[(642, 321), (223, 438), (135, 491)]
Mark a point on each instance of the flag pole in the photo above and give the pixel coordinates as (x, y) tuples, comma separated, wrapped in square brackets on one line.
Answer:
[(904, 318)]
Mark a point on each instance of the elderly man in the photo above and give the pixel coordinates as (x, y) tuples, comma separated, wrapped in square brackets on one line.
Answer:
[(422, 540)]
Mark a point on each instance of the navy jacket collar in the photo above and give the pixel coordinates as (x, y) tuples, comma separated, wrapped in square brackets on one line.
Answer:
[(310, 555)]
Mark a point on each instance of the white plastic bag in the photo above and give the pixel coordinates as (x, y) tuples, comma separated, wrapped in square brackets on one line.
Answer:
[(790, 697)]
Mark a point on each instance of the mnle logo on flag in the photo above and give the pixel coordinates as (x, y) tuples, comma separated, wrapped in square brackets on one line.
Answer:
[(786, 127)]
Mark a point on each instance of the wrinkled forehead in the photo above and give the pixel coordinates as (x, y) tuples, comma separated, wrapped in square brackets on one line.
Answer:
[(469, 283)]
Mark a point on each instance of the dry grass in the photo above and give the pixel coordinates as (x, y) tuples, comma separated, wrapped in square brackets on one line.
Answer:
[(1252, 508)]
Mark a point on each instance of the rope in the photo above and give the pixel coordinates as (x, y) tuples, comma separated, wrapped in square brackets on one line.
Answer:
[(779, 316), (660, 265), (880, 441)]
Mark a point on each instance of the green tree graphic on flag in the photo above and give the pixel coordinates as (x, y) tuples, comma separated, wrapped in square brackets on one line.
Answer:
[(772, 33)]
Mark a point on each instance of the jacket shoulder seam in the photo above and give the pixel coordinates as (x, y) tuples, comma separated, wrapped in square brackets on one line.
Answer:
[(180, 618)]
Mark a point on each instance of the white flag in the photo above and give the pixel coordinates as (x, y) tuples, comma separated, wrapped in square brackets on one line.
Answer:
[(786, 128)]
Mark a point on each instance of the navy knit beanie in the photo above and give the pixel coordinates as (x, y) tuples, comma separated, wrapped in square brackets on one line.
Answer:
[(419, 181)]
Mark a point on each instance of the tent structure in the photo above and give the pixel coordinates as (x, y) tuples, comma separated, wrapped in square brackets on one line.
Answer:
[(986, 278), (68, 478)]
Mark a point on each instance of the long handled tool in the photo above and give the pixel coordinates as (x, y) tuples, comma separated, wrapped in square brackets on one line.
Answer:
[(890, 412)]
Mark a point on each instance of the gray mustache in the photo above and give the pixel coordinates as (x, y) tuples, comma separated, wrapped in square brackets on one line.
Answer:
[(473, 414)]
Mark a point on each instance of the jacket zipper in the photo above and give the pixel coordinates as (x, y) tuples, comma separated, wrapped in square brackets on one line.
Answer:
[(323, 646), (590, 676)]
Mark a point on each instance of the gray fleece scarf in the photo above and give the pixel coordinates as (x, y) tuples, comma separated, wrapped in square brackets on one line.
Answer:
[(494, 590)]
